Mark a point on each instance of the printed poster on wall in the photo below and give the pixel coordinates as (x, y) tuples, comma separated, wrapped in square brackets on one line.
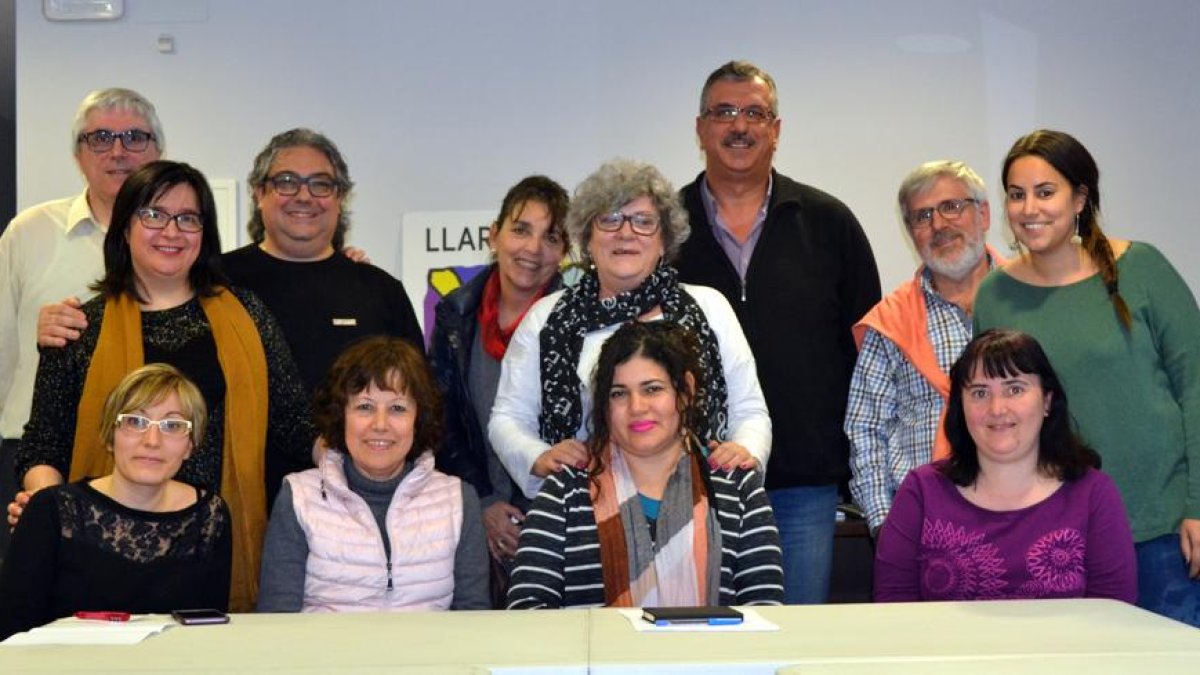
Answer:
[(440, 251)]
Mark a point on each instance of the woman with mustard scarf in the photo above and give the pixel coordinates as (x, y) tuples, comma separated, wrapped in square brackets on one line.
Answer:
[(163, 299)]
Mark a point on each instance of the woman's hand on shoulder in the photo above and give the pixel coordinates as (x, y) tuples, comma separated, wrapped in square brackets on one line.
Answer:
[(16, 507), (36, 478), (1189, 543), (728, 456), (562, 454), (356, 254), (503, 524)]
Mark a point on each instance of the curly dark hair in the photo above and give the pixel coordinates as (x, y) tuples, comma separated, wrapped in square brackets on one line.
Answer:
[(674, 348), (391, 364), (140, 190), (1002, 353)]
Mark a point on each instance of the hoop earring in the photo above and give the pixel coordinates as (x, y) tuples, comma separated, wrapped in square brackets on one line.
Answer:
[(1075, 238)]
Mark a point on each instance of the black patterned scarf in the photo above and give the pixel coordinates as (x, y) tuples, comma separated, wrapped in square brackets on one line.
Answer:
[(580, 311)]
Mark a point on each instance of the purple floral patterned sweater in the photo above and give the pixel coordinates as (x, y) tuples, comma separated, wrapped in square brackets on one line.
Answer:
[(936, 545)]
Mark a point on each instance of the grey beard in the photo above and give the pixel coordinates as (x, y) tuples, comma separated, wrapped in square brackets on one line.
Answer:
[(959, 269)]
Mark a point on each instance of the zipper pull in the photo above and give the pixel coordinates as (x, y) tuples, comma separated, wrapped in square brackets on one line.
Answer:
[(743, 290), (389, 571)]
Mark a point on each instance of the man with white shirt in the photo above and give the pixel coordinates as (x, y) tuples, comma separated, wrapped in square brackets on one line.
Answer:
[(55, 249)]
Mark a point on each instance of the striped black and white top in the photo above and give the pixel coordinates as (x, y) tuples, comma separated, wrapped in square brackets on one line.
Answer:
[(558, 560)]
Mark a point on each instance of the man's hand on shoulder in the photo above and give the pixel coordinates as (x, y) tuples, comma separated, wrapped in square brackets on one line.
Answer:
[(60, 323)]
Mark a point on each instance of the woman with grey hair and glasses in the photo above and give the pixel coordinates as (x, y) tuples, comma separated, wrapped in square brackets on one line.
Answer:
[(628, 223)]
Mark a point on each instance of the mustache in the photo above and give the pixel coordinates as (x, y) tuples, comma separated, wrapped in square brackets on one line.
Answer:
[(737, 137), (944, 236)]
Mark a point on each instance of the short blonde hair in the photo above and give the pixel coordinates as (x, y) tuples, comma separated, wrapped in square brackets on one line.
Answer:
[(147, 386)]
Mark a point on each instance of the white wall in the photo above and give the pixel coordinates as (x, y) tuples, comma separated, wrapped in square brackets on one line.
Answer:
[(441, 106)]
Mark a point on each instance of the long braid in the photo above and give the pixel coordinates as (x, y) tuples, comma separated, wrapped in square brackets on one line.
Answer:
[(1100, 251)]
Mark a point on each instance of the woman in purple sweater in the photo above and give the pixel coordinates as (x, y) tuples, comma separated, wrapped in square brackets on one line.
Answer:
[(1020, 509)]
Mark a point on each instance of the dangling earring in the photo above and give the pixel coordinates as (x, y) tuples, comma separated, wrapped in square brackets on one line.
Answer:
[(1075, 238), (1014, 244)]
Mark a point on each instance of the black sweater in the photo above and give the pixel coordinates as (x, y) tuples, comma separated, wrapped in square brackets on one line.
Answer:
[(811, 277)]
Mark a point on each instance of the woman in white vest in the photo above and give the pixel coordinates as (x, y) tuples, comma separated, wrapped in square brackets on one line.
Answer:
[(375, 526)]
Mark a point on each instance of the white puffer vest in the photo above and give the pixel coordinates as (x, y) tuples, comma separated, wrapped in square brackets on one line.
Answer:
[(347, 569)]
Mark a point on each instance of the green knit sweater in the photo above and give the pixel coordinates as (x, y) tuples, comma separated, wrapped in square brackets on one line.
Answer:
[(1134, 394)]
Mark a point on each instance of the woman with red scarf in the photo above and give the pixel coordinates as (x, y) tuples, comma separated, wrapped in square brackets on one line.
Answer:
[(471, 332)]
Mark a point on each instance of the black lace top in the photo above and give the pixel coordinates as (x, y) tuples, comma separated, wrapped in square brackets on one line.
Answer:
[(77, 549), (181, 337)]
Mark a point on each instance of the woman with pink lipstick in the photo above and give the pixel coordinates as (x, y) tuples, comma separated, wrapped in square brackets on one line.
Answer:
[(1121, 327), (1019, 510), (474, 326), (628, 223), (647, 521), (135, 540), (376, 527), (163, 299)]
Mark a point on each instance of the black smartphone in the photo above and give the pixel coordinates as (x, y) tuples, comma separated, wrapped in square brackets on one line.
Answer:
[(673, 616), (200, 617)]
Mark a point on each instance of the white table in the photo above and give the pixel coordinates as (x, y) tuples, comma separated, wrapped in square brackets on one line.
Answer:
[(1084, 637), (439, 643), (1001, 636)]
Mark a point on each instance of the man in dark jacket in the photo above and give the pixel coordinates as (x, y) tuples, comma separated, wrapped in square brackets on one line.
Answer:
[(798, 269)]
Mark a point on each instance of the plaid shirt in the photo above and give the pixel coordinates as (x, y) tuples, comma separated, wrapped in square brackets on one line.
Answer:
[(892, 412)]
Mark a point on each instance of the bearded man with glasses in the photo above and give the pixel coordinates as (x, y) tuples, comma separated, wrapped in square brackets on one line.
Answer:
[(300, 188), (797, 268), (908, 341), (54, 249)]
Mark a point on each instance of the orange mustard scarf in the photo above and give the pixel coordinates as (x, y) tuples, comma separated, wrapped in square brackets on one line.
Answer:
[(243, 361)]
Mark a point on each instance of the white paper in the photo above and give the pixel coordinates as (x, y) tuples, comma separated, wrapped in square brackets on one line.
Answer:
[(752, 622), (72, 631)]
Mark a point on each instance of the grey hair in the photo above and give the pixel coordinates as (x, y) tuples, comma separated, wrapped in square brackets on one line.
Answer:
[(740, 71), (615, 184), (299, 138), (923, 177), (116, 98)]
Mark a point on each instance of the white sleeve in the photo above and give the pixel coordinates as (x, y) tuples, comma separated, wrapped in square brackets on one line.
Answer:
[(10, 288), (749, 421), (513, 427)]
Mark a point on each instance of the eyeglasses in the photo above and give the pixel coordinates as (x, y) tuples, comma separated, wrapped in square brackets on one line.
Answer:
[(641, 223), (726, 114), (140, 424), (157, 219), (950, 209), (102, 140), (288, 184)]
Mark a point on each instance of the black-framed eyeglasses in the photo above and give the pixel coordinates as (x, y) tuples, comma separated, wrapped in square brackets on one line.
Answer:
[(153, 218), (641, 222), (726, 114), (102, 140), (288, 184), (140, 424), (950, 209)]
